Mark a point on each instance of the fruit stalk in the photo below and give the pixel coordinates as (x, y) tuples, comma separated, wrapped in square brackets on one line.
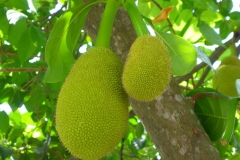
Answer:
[(136, 18), (105, 29)]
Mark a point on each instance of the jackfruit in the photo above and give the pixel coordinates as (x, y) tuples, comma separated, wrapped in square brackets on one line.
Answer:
[(226, 75), (147, 71), (92, 107), (231, 60)]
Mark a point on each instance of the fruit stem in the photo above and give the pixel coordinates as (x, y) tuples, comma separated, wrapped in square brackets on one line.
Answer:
[(106, 25), (136, 18)]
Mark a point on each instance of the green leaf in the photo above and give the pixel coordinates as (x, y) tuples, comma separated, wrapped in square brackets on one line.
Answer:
[(38, 36), (75, 3), (223, 142), (8, 152), (216, 113), (229, 129), (182, 18), (139, 130), (62, 41), (226, 7), (210, 16), (192, 32), (36, 99), (236, 156), (24, 156), (16, 100), (4, 22), (224, 29), (133, 121), (182, 52), (235, 15), (3, 82), (5, 152), (19, 77), (2, 152), (40, 150), (5, 94), (139, 143), (187, 4), (145, 7), (35, 142), (26, 46), (16, 31), (201, 55), (15, 133), (19, 4), (199, 90), (210, 34), (200, 4), (62, 1), (4, 119), (16, 119)]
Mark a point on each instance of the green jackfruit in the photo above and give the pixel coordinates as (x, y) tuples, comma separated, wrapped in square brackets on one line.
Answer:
[(147, 71), (231, 60), (226, 75), (92, 107)]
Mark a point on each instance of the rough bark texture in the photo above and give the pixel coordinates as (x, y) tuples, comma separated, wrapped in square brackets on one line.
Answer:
[(169, 119)]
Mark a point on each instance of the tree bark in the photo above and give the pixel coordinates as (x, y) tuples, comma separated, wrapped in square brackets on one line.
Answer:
[(169, 119)]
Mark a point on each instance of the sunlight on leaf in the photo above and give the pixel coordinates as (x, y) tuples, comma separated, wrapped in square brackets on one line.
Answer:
[(4, 119), (61, 42), (182, 52), (211, 35)]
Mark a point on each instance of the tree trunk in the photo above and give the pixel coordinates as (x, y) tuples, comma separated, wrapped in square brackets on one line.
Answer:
[(169, 119)]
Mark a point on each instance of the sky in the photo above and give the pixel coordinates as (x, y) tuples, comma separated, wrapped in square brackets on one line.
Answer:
[(7, 108)]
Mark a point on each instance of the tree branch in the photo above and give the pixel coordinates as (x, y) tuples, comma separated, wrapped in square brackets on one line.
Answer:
[(202, 79), (121, 150), (8, 54), (48, 139), (47, 17)]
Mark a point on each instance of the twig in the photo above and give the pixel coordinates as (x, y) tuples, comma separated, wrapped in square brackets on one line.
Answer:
[(83, 38), (169, 23), (8, 53), (58, 155), (192, 79), (47, 16), (23, 70), (1, 43), (121, 150), (48, 138), (50, 17), (202, 79)]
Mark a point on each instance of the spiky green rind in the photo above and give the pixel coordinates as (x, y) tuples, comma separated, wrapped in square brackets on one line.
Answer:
[(92, 107), (147, 71), (224, 81), (231, 60)]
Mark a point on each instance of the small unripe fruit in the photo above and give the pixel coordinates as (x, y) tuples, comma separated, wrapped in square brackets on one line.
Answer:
[(147, 71), (226, 75)]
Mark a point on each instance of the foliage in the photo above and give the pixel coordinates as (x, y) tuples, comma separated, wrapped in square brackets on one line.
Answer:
[(40, 44)]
